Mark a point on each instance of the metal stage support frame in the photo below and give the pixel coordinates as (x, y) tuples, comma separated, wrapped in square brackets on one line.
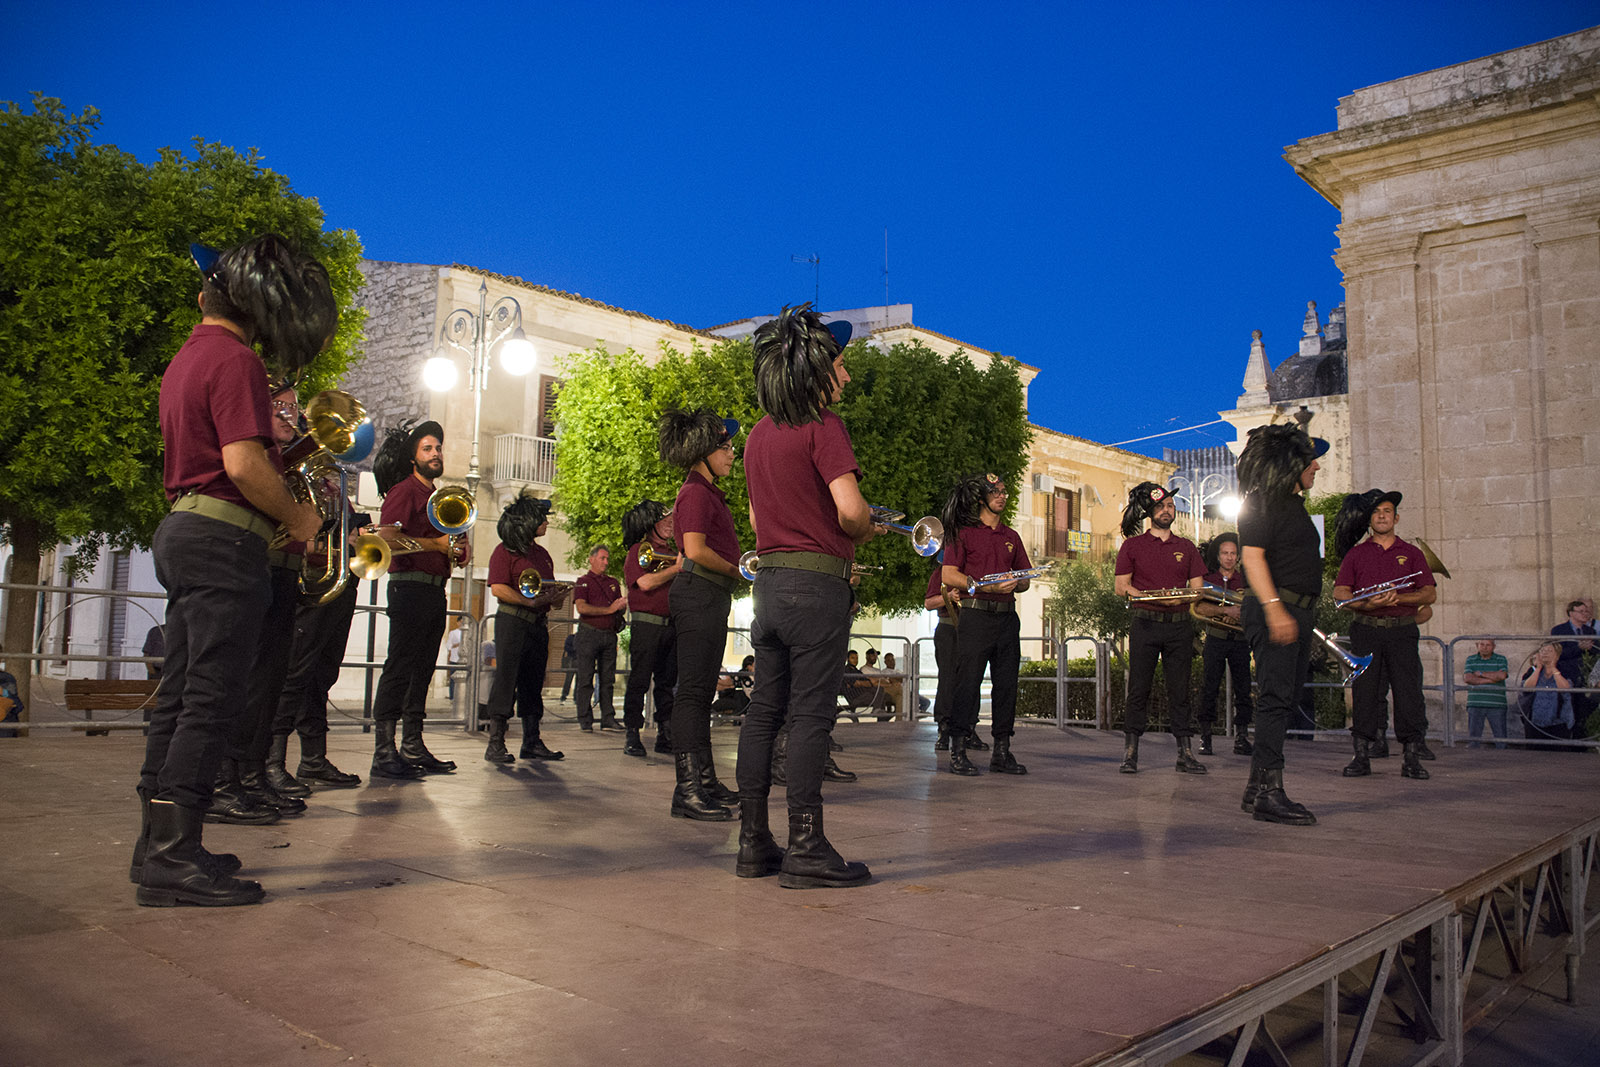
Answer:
[(1440, 969)]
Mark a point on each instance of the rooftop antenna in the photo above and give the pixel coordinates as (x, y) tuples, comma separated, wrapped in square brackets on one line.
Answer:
[(816, 261), (886, 277)]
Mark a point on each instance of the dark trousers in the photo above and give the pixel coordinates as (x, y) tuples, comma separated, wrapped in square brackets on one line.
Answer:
[(1173, 644), (986, 639), (1396, 665), (700, 617), (653, 655), (1233, 655), (800, 634), (416, 625), (522, 650), (1281, 675), (251, 732), (218, 590), (321, 632), (944, 659), (596, 653)]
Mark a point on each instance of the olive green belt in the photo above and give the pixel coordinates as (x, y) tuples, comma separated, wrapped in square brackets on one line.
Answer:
[(654, 620), (223, 511), (286, 561), (819, 562), (722, 580), (1299, 600), (418, 576), (998, 606), (1158, 616), (525, 614), (1381, 623)]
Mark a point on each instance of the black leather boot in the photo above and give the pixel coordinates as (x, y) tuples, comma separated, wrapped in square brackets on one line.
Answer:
[(496, 752), (278, 775), (689, 799), (218, 862), (1274, 805), (835, 773), (1423, 751), (317, 768), (386, 761), (609, 722), (1411, 762), (1186, 761), (664, 737), (943, 743), (1361, 765), (976, 743), (1002, 761), (708, 779), (960, 763), (780, 758), (414, 752), (759, 854), (810, 862), (254, 779), (1205, 741), (1130, 754), (231, 802), (632, 745), (1379, 749), (1241, 742), (533, 746), (1251, 790), (174, 869)]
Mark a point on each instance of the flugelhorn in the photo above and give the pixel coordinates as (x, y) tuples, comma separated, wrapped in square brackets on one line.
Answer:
[(651, 560), (1354, 664), (927, 533), (1002, 577)]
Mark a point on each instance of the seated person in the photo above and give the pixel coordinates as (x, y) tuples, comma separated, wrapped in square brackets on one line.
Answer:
[(894, 687), (733, 688)]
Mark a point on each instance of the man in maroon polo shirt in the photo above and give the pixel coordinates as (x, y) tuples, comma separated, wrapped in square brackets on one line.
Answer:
[(598, 600), (1225, 647), (1385, 627), (1155, 560), (406, 467), (978, 544), (652, 650), (224, 479), (521, 628)]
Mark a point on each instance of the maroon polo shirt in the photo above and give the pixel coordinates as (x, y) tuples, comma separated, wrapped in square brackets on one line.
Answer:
[(936, 587), (506, 567), (1157, 564), (788, 470), (1369, 563), (599, 590), (407, 504), (1233, 584), (702, 508), (979, 551), (649, 601), (214, 393)]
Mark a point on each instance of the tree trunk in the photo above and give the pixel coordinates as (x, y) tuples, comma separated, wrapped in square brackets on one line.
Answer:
[(21, 605)]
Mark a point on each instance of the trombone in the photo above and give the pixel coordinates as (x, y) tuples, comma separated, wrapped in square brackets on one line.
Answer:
[(533, 586), (452, 510), (651, 560), (927, 533), (1354, 664)]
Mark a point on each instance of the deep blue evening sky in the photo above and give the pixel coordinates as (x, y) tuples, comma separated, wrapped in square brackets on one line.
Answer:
[(1097, 191)]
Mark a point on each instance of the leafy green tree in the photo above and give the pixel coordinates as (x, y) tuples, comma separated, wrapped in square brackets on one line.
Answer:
[(918, 422), (1084, 601), (97, 292)]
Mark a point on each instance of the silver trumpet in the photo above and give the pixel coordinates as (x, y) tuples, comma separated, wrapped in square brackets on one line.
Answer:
[(749, 563), (1371, 591), (927, 533), (1354, 664), (1002, 577)]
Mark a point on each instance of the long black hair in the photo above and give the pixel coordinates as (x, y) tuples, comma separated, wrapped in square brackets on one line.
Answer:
[(964, 505), (283, 300), (794, 356), (1212, 549), (1273, 460), (684, 438), (396, 457), (640, 519), (520, 521)]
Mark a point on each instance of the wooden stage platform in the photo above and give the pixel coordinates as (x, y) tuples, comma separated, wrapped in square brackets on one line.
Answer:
[(554, 914)]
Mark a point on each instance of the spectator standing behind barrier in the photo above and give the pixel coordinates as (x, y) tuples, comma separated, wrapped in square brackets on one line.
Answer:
[(569, 656), (452, 656), (1485, 673), (11, 705), (1546, 712), (155, 647), (1577, 658)]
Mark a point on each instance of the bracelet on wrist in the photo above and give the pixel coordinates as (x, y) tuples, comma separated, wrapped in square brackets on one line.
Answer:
[(1274, 600)]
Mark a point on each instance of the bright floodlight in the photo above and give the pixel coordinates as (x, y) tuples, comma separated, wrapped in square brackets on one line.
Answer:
[(517, 353), (439, 374), (1230, 507)]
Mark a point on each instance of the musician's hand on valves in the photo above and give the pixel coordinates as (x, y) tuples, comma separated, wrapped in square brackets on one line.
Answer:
[(1281, 627), (1005, 587), (1383, 600), (460, 550), (305, 523)]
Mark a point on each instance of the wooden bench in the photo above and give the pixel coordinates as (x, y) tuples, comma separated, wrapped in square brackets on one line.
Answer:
[(90, 695)]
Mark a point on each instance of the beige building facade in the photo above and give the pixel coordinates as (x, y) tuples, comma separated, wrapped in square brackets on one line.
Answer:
[(1470, 247)]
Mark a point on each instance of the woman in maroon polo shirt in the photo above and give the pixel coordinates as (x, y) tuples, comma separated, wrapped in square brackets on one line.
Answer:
[(701, 443)]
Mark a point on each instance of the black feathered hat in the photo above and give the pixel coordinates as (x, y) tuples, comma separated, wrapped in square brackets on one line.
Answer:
[(964, 505), (1142, 501), (1355, 516), (684, 438), (283, 300), (1275, 457), (397, 455), (639, 520), (1212, 548), (794, 356), (520, 521)]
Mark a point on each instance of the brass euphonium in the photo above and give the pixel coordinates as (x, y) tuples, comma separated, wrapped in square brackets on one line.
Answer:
[(311, 466)]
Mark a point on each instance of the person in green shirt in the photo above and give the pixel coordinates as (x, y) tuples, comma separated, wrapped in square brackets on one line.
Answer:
[(1485, 674)]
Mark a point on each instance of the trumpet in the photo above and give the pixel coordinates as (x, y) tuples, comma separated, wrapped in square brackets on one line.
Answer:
[(311, 465), (1354, 664), (749, 563), (651, 560), (1167, 594), (863, 568), (927, 533), (370, 556), (1394, 584), (1002, 577)]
